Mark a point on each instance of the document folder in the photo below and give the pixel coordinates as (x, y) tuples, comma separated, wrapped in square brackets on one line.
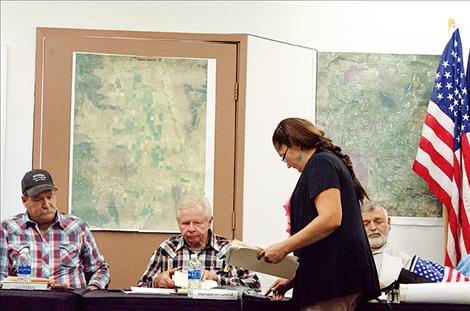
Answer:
[(245, 256)]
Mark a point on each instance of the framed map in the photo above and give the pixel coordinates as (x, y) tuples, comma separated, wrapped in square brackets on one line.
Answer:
[(373, 107), (142, 136)]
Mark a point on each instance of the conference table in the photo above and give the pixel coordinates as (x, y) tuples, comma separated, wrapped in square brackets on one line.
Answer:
[(38, 300), (117, 300)]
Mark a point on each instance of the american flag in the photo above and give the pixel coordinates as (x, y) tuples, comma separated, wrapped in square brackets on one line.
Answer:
[(436, 272), (443, 157)]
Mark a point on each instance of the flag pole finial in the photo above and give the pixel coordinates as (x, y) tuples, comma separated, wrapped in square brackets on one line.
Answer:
[(451, 24)]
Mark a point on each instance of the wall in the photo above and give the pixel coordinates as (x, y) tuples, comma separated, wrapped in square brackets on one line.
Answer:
[(270, 98), (414, 27)]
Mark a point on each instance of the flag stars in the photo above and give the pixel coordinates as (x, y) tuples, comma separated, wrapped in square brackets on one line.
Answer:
[(439, 96), (447, 75), (445, 64), (448, 85), (438, 85), (438, 76)]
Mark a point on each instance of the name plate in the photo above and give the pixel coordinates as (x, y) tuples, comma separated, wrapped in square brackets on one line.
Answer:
[(224, 294), (25, 285)]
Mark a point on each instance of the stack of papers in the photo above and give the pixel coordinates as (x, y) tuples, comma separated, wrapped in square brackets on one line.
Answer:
[(12, 282)]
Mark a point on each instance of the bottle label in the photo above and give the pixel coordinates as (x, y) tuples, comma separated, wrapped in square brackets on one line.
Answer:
[(194, 274), (24, 270)]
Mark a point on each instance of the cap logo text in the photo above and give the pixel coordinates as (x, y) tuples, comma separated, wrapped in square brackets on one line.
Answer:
[(39, 177)]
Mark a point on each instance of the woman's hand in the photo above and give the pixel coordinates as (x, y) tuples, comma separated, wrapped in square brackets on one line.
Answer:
[(274, 253), (279, 288)]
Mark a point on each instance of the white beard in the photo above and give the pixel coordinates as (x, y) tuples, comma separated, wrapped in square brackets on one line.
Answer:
[(377, 241)]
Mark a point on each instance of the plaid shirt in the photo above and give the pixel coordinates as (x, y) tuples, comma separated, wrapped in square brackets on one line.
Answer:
[(212, 256), (65, 253)]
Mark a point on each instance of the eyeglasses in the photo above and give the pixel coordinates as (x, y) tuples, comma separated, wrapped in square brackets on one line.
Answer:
[(284, 156)]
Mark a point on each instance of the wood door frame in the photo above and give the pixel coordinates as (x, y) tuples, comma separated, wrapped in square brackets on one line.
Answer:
[(66, 34)]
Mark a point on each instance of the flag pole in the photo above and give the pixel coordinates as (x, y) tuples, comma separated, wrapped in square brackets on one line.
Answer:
[(445, 211)]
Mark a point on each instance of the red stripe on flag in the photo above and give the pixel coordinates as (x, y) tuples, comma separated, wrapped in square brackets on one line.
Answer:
[(449, 274), (447, 260), (454, 223), (435, 187), (436, 157), (454, 228), (443, 133)]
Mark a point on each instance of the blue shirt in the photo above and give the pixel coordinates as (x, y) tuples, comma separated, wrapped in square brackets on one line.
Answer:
[(464, 266)]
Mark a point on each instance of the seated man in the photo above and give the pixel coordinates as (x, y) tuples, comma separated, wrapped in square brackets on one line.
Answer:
[(194, 219), (377, 224), (61, 247)]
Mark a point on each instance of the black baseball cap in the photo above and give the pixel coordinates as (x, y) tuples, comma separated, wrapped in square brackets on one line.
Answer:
[(36, 181)]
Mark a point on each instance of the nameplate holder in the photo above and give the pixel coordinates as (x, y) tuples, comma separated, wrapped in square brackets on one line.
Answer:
[(25, 285), (222, 294)]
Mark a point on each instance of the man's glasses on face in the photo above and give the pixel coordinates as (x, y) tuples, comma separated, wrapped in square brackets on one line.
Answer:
[(284, 156)]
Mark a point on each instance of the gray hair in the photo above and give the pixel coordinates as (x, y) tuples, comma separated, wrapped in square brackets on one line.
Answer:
[(191, 201), (370, 206)]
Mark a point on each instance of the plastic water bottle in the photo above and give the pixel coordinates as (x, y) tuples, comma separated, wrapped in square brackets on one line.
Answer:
[(24, 266), (194, 274)]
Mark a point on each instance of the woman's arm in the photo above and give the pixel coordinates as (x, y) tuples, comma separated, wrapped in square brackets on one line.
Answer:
[(328, 204)]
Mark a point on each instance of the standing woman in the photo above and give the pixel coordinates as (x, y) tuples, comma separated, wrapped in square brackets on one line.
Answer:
[(336, 267)]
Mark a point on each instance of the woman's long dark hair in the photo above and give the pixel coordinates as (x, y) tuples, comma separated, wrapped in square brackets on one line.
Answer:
[(303, 134)]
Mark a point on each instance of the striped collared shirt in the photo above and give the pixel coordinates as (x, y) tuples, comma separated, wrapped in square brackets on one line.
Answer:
[(64, 253), (175, 253)]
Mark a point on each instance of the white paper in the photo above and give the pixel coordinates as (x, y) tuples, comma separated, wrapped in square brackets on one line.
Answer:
[(390, 270), (245, 256), (181, 280), (145, 290)]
